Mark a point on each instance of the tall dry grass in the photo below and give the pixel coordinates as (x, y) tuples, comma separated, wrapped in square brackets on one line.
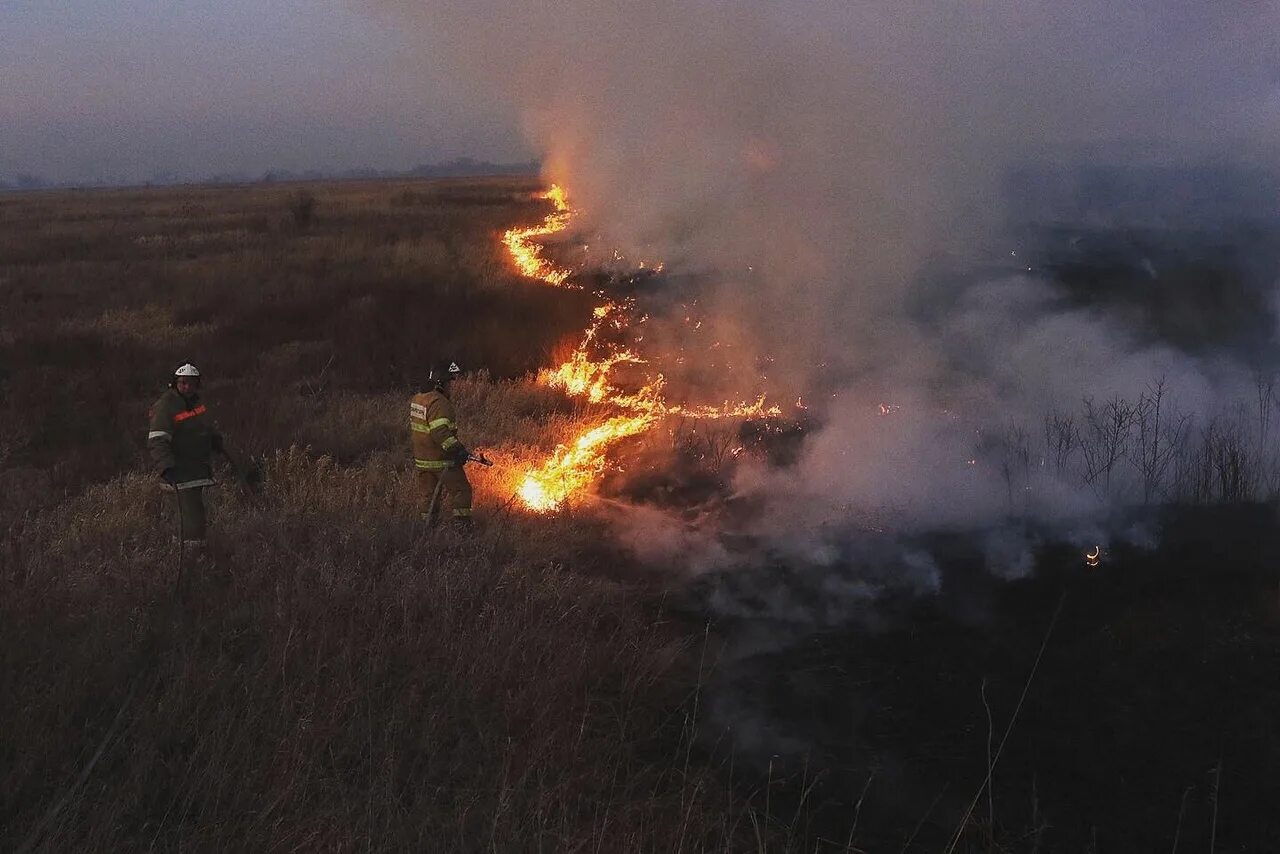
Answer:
[(332, 675), (105, 292), (337, 676)]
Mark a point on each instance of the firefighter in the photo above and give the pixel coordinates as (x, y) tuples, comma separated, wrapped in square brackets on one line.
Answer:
[(438, 454), (182, 441)]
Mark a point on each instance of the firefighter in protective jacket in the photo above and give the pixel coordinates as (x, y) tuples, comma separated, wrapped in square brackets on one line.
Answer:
[(438, 454), (182, 441)]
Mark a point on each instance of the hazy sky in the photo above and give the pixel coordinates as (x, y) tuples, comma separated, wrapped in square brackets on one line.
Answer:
[(133, 89)]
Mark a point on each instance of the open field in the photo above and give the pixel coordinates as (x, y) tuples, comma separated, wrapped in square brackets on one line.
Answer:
[(298, 304), (336, 677)]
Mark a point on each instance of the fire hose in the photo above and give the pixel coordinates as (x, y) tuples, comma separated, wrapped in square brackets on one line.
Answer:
[(249, 476)]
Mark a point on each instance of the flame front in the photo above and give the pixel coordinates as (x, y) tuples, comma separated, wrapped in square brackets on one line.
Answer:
[(526, 251), (587, 374), (574, 467), (582, 376)]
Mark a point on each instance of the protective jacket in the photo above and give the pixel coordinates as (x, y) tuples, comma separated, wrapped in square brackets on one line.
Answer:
[(435, 435), (182, 438)]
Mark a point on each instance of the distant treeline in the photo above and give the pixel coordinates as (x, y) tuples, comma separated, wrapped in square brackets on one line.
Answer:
[(460, 167)]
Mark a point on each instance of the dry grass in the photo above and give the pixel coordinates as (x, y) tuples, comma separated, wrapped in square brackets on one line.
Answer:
[(105, 291), (341, 678), (332, 676)]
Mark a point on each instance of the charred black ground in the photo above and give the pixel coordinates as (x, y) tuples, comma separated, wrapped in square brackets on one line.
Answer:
[(1156, 684)]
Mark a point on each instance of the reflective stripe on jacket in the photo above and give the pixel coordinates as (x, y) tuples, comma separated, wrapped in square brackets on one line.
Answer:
[(433, 430)]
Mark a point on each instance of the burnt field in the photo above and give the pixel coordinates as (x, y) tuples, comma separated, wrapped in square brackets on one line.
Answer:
[(1120, 707), (337, 677)]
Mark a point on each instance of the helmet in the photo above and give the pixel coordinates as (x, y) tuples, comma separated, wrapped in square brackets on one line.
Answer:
[(185, 372), (443, 372)]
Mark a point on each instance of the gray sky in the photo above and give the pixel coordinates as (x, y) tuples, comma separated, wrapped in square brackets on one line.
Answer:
[(134, 89)]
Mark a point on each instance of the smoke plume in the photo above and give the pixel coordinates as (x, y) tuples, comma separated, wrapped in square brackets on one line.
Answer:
[(829, 169)]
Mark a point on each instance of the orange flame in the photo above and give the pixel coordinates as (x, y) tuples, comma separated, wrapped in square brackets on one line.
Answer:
[(580, 375), (574, 468), (526, 251), (583, 376)]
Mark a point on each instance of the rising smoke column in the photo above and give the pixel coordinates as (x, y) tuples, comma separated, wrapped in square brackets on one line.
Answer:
[(816, 158)]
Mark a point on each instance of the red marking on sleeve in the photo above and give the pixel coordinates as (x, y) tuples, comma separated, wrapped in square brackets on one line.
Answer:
[(190, 413)]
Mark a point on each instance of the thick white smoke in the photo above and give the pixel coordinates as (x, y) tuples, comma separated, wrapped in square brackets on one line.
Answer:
[(836, 149)]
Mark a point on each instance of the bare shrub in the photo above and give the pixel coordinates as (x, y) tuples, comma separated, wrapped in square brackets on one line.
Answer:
[(1106, 440), (1061, 440), (1160, 439), (1230, 470), (713, 444), (302, 208), (1267, 402)]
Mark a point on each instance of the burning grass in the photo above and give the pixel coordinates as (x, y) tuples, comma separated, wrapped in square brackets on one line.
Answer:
[(526, 250), (577, 466)]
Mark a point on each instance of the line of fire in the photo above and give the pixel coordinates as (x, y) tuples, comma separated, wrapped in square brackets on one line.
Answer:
[(588, 374)]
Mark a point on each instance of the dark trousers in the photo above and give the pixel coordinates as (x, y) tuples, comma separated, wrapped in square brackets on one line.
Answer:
[(192, 521), (455, 487)]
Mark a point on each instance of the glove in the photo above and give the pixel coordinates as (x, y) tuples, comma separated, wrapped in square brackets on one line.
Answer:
[(169, 477), (460, 454)]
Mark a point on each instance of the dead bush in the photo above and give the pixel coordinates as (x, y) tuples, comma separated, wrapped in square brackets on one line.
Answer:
[(302, 207)]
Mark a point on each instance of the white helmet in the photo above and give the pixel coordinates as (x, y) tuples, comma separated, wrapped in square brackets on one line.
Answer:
[(187, 370), (442, 372)]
